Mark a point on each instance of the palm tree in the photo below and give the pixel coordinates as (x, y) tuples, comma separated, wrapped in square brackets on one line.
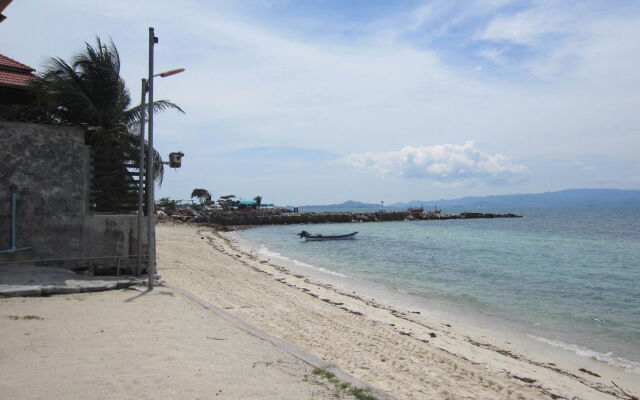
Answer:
[(258, 200), (89, 90)]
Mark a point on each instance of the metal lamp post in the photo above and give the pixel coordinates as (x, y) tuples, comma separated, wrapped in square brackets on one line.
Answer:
[(141, 174), (147, 87), (151, 265)]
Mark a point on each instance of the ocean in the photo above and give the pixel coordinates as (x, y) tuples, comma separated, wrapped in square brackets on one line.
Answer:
[(565, 277)]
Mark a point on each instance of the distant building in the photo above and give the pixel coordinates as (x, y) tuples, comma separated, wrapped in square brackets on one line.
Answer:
[(15, 78), (247, 205)]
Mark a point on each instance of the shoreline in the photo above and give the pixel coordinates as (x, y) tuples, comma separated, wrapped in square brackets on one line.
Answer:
[(396, 349), (497, 327)]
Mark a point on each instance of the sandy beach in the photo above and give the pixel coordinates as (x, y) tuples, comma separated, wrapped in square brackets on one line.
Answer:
[(405, 354), (126, 344)]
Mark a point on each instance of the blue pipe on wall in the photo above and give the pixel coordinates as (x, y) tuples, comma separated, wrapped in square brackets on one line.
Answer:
[(13, 228)]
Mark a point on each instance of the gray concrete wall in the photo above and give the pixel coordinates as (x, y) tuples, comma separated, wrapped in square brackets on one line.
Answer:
[(49, 165), (106, 235)]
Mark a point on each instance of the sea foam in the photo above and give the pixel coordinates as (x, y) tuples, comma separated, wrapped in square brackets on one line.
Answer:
[(264, 250), (608, 358)]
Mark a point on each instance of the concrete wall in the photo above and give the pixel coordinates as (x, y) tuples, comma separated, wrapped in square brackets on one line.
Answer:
[(49, 166)]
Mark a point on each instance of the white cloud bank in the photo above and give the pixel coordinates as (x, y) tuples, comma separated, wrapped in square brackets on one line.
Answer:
[(448, 165)]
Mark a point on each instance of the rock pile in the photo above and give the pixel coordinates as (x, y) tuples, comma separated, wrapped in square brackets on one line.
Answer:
[(283, 217)]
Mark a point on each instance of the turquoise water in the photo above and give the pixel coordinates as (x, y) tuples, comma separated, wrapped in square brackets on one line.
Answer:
[(570, 277)]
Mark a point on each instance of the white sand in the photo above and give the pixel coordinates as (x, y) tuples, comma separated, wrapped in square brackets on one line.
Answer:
[(129, 345), (393, 350)]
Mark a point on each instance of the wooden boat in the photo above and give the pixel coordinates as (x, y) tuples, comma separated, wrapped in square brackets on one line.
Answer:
[(308, 236)]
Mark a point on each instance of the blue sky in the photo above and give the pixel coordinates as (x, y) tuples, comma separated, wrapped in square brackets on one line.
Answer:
[(309, 102)]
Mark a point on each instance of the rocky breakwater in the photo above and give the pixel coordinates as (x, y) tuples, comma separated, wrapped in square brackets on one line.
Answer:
[(468, 215), (465, 215), (269, 217)]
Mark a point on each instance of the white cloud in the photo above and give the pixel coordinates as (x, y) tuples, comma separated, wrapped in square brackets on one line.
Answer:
[(525, 28), (494, 55), (446, 164), (584, 167)]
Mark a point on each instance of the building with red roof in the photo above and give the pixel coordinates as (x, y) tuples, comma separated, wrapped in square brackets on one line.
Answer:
[(14, 81)]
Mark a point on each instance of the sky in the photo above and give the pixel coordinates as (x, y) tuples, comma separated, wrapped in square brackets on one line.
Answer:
[(323, 101)]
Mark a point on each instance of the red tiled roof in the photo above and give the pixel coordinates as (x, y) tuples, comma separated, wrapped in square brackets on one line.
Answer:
[(13, 64), (8, 78), (13, 73)]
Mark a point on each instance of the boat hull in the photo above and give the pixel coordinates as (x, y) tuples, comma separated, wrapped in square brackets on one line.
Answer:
[(319, 238)]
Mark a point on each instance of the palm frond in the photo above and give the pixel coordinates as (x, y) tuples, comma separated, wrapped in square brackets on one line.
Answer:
[(134, 114)]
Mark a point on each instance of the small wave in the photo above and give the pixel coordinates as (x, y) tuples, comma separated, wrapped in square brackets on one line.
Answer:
[(608, 358), (326, 271), (264, 250)]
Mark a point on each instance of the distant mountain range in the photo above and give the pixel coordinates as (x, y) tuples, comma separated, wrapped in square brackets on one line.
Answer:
[(563, 198)]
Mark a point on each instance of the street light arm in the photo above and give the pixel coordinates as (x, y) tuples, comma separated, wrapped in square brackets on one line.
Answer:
[(170, 72)]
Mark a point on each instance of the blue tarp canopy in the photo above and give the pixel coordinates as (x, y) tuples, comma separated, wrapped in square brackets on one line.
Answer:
[(248, 202)]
